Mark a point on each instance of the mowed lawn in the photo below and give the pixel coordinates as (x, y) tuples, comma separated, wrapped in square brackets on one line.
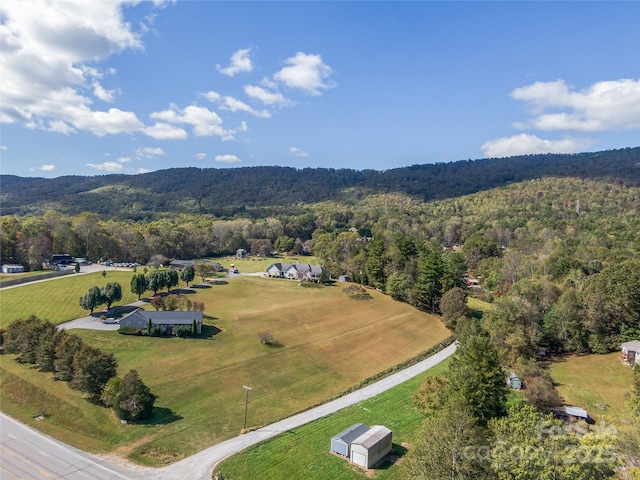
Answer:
[(304, 452), (58, 300), (325, 342), (597, 383)]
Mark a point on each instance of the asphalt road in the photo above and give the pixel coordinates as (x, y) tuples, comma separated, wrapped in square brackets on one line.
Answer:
[(27, 454)]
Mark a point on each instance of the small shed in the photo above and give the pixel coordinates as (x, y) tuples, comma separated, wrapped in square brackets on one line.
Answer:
[(514, 381), (371, 447), (343, 278), (241, 253), (341, 442), (630, 352), (12, 268)]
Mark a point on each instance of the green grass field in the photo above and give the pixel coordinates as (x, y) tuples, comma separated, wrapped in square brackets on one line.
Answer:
[(58, 300), (304, 452), (325, 343), (597, 383)]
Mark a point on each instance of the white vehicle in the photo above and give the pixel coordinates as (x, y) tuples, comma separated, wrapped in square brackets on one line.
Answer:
[(110, 321)]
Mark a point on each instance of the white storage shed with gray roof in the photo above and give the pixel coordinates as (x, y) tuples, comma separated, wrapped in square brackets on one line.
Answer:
[(371, 447), (341, 442)]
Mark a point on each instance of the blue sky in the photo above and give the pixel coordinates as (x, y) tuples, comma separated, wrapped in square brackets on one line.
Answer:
[(91, 88)]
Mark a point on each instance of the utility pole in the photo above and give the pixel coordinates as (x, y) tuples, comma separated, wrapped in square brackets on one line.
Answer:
[(246, 405)]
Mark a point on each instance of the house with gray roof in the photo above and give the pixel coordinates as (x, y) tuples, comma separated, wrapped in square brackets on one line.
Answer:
[(298, 271), (169, 319), (630, 352)]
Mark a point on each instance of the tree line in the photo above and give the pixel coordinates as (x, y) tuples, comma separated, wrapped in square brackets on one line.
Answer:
[(86, 369)]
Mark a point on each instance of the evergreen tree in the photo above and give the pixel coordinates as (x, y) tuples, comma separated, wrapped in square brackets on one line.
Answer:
[(23, 337), (46, 354), (375, 263), (92, 299), (92, 370), (135, 401), (429, 281), (171, 279), (476, 375), (66, 351), (454, 307), (187, 274), (111, 293), (155, 281), (139, 284)]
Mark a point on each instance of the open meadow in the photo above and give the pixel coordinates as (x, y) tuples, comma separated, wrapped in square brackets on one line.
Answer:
[(597, 383), (323, 343)]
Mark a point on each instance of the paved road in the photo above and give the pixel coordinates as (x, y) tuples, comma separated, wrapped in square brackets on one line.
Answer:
[(28, 454), (198, 466)]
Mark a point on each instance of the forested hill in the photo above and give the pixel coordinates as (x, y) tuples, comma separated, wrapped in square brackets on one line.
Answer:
[(255, 191)]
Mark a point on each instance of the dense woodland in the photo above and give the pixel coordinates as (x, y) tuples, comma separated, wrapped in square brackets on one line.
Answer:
[(554, 241)]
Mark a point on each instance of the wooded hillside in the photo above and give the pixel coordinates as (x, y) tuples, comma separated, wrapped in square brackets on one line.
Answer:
[(262, 191)]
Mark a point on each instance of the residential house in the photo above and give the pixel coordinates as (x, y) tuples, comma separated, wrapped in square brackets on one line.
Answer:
[(630, 352), (298, 271), (169, 319), (180, 264)]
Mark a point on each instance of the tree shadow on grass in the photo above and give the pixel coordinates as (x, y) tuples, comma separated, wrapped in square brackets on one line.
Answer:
[(219, 282), (161, 416), (200, 285)]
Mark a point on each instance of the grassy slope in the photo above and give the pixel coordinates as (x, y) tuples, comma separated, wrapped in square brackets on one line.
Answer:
[(597, 383), (328, 343), (58, 299), (304, 452)]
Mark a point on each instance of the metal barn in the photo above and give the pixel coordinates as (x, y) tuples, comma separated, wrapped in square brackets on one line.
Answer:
[(371, 447), (341, 442)]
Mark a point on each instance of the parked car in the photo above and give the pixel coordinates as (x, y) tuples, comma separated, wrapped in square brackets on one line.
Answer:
[(110, 321)]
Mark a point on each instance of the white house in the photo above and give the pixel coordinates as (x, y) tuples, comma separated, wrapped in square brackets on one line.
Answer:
[(298, 271)]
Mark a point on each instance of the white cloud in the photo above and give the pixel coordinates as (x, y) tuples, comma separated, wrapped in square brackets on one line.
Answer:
[(47, 168), (227, 158), (607, 105), (524, 144), (240, 62), (306, 72), (123, 160), (297, 152), (3, 147), (59, 126), (149, 152), (265, 96), (47, 50), (212, 96), (106, 166), (205, 123), (234, 105), (164, 131), (201, 156)]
